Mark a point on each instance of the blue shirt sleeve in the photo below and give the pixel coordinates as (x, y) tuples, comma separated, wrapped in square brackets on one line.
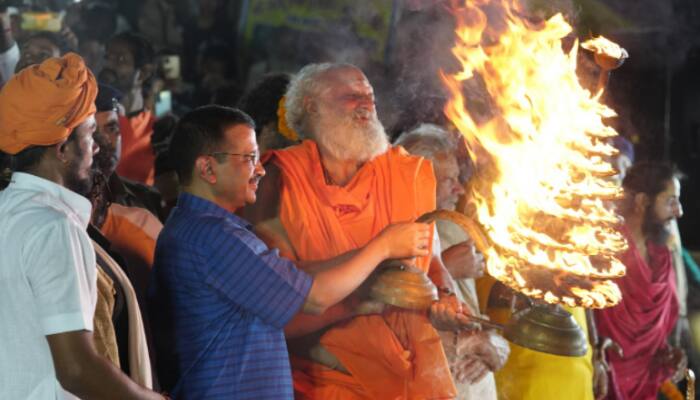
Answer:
[(243, 269)]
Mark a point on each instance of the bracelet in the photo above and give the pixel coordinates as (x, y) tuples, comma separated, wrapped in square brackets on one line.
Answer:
[(445, 291)]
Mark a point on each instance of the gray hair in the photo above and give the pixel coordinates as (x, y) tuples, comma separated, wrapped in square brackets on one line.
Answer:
[(427, 140), (305, 83)]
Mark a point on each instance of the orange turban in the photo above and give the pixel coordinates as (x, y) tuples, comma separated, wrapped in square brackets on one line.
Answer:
[(42, 104)]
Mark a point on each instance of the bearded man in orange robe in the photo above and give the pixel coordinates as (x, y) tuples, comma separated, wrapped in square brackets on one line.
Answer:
[(330, 195)]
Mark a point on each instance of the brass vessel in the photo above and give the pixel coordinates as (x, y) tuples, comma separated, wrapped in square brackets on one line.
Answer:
[(404, 287), (547, 328), (409, 287), (541, 327)]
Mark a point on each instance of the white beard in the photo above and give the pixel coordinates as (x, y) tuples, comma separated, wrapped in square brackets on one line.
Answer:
[(345, 138)]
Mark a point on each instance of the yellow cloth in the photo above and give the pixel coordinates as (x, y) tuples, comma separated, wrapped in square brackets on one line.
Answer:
[(103, 334), (42, 104), (139, 360), (530, 375)]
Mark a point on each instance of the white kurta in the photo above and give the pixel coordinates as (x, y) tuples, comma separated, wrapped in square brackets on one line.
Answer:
[(47, 281), (455, 343)]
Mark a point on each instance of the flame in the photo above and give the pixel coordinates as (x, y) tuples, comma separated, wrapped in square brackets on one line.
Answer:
[(541, 192), (601, 45)]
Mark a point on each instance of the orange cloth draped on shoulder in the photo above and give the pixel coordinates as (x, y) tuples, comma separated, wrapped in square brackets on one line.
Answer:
[(138, 159), (396, 355), (43, 103), (132, 232)]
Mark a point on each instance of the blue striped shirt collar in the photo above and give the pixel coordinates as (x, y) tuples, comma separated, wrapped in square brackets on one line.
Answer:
[(191, 202)]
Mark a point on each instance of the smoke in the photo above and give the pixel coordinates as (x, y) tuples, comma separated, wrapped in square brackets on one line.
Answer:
[(354, 33), (421, 49)]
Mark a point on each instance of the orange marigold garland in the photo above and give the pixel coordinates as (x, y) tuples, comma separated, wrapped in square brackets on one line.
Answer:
[(282, 125)]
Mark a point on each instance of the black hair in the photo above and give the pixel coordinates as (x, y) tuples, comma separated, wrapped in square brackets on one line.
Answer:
[(56, 39), (200, 132), (28, 158), (650, 177), (141, 48), (25, 160), (5, 169), (262, 101)]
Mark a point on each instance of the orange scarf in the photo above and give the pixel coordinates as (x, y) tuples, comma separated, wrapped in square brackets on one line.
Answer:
[(138, 159), (396, 355)]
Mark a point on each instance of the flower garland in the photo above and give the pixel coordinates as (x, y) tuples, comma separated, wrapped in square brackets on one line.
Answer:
[(282, 125)]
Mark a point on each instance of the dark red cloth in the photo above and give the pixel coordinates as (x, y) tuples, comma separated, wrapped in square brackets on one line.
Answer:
[(641, 323)]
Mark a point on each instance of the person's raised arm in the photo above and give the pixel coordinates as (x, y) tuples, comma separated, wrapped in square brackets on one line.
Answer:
[(83, 372), (335, 282)]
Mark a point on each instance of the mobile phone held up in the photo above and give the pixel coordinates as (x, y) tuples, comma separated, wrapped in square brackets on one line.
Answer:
[(164, 103)]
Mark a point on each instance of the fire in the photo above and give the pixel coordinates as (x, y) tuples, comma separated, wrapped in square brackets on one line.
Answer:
[(601, 45), (541, 192)]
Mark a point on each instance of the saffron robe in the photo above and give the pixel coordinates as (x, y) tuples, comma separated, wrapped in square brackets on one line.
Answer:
[(641, 322), (395, 355)]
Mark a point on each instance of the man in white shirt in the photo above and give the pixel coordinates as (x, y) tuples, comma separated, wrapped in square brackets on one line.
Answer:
[(47, 262)]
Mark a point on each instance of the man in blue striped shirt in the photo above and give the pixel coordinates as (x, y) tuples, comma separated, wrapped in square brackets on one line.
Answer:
[(219, 297)]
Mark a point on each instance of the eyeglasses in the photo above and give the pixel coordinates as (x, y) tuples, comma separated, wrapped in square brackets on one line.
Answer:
[(252, 158)]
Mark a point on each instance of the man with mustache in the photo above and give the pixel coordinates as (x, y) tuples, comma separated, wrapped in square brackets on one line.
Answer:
[(47, 265), (125, 211), (108, 135), (129, 64), (644, 319), (331, 194), (124, 235), (221, 298)]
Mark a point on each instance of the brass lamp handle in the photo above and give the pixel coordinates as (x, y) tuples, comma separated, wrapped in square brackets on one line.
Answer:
[(690, 377), (483, 322), (600, 353), (470, 227)]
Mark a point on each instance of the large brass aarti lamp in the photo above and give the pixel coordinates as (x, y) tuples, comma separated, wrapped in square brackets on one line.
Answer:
[(547, 328)]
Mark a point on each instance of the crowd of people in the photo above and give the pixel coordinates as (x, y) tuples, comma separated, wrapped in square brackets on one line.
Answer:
[(223, 249)]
